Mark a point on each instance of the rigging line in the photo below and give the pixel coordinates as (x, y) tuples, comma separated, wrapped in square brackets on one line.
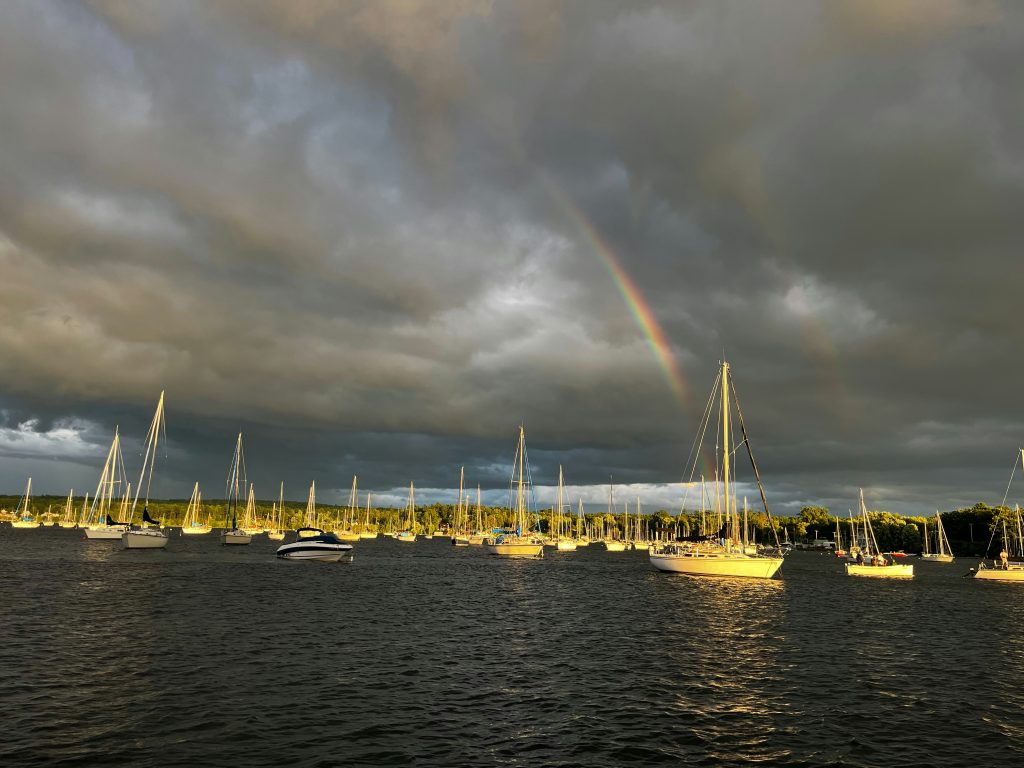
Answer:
[(1014, 469), (750, 452), (705, 422)]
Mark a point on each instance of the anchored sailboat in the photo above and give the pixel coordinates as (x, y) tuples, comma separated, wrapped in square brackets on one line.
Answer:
[(519, 542), (67, 520), (409, 534), (237, 480), (192, 525), (148, 535), (871, 562), (23, 517), (348, 533), (943, 554), (1009, 565), (564, 540), (98, 524), (275, 530), (724, 555)]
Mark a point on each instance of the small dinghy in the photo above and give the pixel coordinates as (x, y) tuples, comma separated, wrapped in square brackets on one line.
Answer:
[(316, 545)]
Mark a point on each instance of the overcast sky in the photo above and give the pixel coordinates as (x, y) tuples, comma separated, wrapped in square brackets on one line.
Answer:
[(376, 235)]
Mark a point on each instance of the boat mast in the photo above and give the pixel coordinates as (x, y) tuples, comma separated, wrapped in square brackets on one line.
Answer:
[(458, 509), (280, 507), (149, 460), (725, 438)]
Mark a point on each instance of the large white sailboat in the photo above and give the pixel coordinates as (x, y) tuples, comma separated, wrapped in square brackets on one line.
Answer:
[(1009, 564), (722, 556), (871, 562), (149, 534), (99, 524), (519, 542), (23, 517), (193, 525), (237, 480), (943, 553)]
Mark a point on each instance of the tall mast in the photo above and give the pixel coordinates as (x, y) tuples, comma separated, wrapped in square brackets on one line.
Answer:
[(149, 460), (725, 437), (520, 514), (458, 509), (559, 518)]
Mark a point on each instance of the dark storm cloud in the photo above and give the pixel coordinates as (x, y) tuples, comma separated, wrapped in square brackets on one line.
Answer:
[(342, 228)]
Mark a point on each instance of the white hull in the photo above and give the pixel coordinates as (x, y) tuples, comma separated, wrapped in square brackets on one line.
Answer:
[(367, 535), (150, 539), (347, 535), (408, 538), (275, 535), (716, 564), (105, 533), (614, 545), (324, 553), (195, 530), (460, 541), (24, 524), (516, 549), (566, 545), (68, 525), (938, 558), (1000, 574), (881, 571), (235, 537)]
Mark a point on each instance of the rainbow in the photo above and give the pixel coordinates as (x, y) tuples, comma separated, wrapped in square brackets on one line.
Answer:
[(638, 306)]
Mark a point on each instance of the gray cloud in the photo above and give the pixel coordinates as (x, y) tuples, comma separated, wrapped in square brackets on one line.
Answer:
[(353, 230)]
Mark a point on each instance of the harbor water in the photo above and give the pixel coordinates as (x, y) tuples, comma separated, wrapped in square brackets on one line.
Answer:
[(429, 655)]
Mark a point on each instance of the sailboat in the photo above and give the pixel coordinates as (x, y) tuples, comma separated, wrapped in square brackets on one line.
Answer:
[(367, 532), (944, 553), (148, 535), (237, 480), (98, 524), (519, 542), (192, 525), (312, 522), (348, 533), (723, 556), (638, 541), (871, 562), (1004, 568), (460, 525), (275, 530), (67, 520), (564, 541), (23, 517), (409, 534), (611, 543)]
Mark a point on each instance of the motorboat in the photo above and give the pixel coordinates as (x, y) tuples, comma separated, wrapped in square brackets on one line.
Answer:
[(317, 545)]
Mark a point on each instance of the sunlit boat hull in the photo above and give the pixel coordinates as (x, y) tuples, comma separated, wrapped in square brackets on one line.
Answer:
[(477, 539), (235, 538), (368, 535), (347, 535), (313, 550), (716, 564), (275, 535), (407, 537), (1013, 573), (195, 530), (520, 549), (937, 558), (68, 525), (614, 545), (145, 539), (460, 541), (881, 571), (105, 532), (24, 524), (566, 545)]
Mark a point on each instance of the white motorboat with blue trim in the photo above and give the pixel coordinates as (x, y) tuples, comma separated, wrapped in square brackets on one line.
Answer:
[(317, 545)]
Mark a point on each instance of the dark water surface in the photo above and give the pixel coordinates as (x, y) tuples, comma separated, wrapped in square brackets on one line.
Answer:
[(422, 654)]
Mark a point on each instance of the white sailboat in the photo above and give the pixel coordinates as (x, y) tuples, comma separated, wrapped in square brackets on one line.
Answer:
[(348, 533), (23, 517), (98, 524), (564, 540), (944, 553), (367, 532), (1009, 565), (192, 525), (519, 542), (460, 525), (275, 531), (237, 480), (312, 521), (724, 556), (611, 544), (871, 562), (409, 534), (148, 535), (67, 520)]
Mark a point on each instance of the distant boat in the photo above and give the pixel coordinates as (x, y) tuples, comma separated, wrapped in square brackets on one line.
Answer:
[(348, 533), (275, 530), (148, 535), (312, 521), (408, 535), (721, 555), (520, 542), (460, 534), (99, 524), (192, 525), (234, 535), (67, 520), (943, 553), (23, 517), (871, 562), (367, 532), (611, 544), (316, 544), (564, 540)]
